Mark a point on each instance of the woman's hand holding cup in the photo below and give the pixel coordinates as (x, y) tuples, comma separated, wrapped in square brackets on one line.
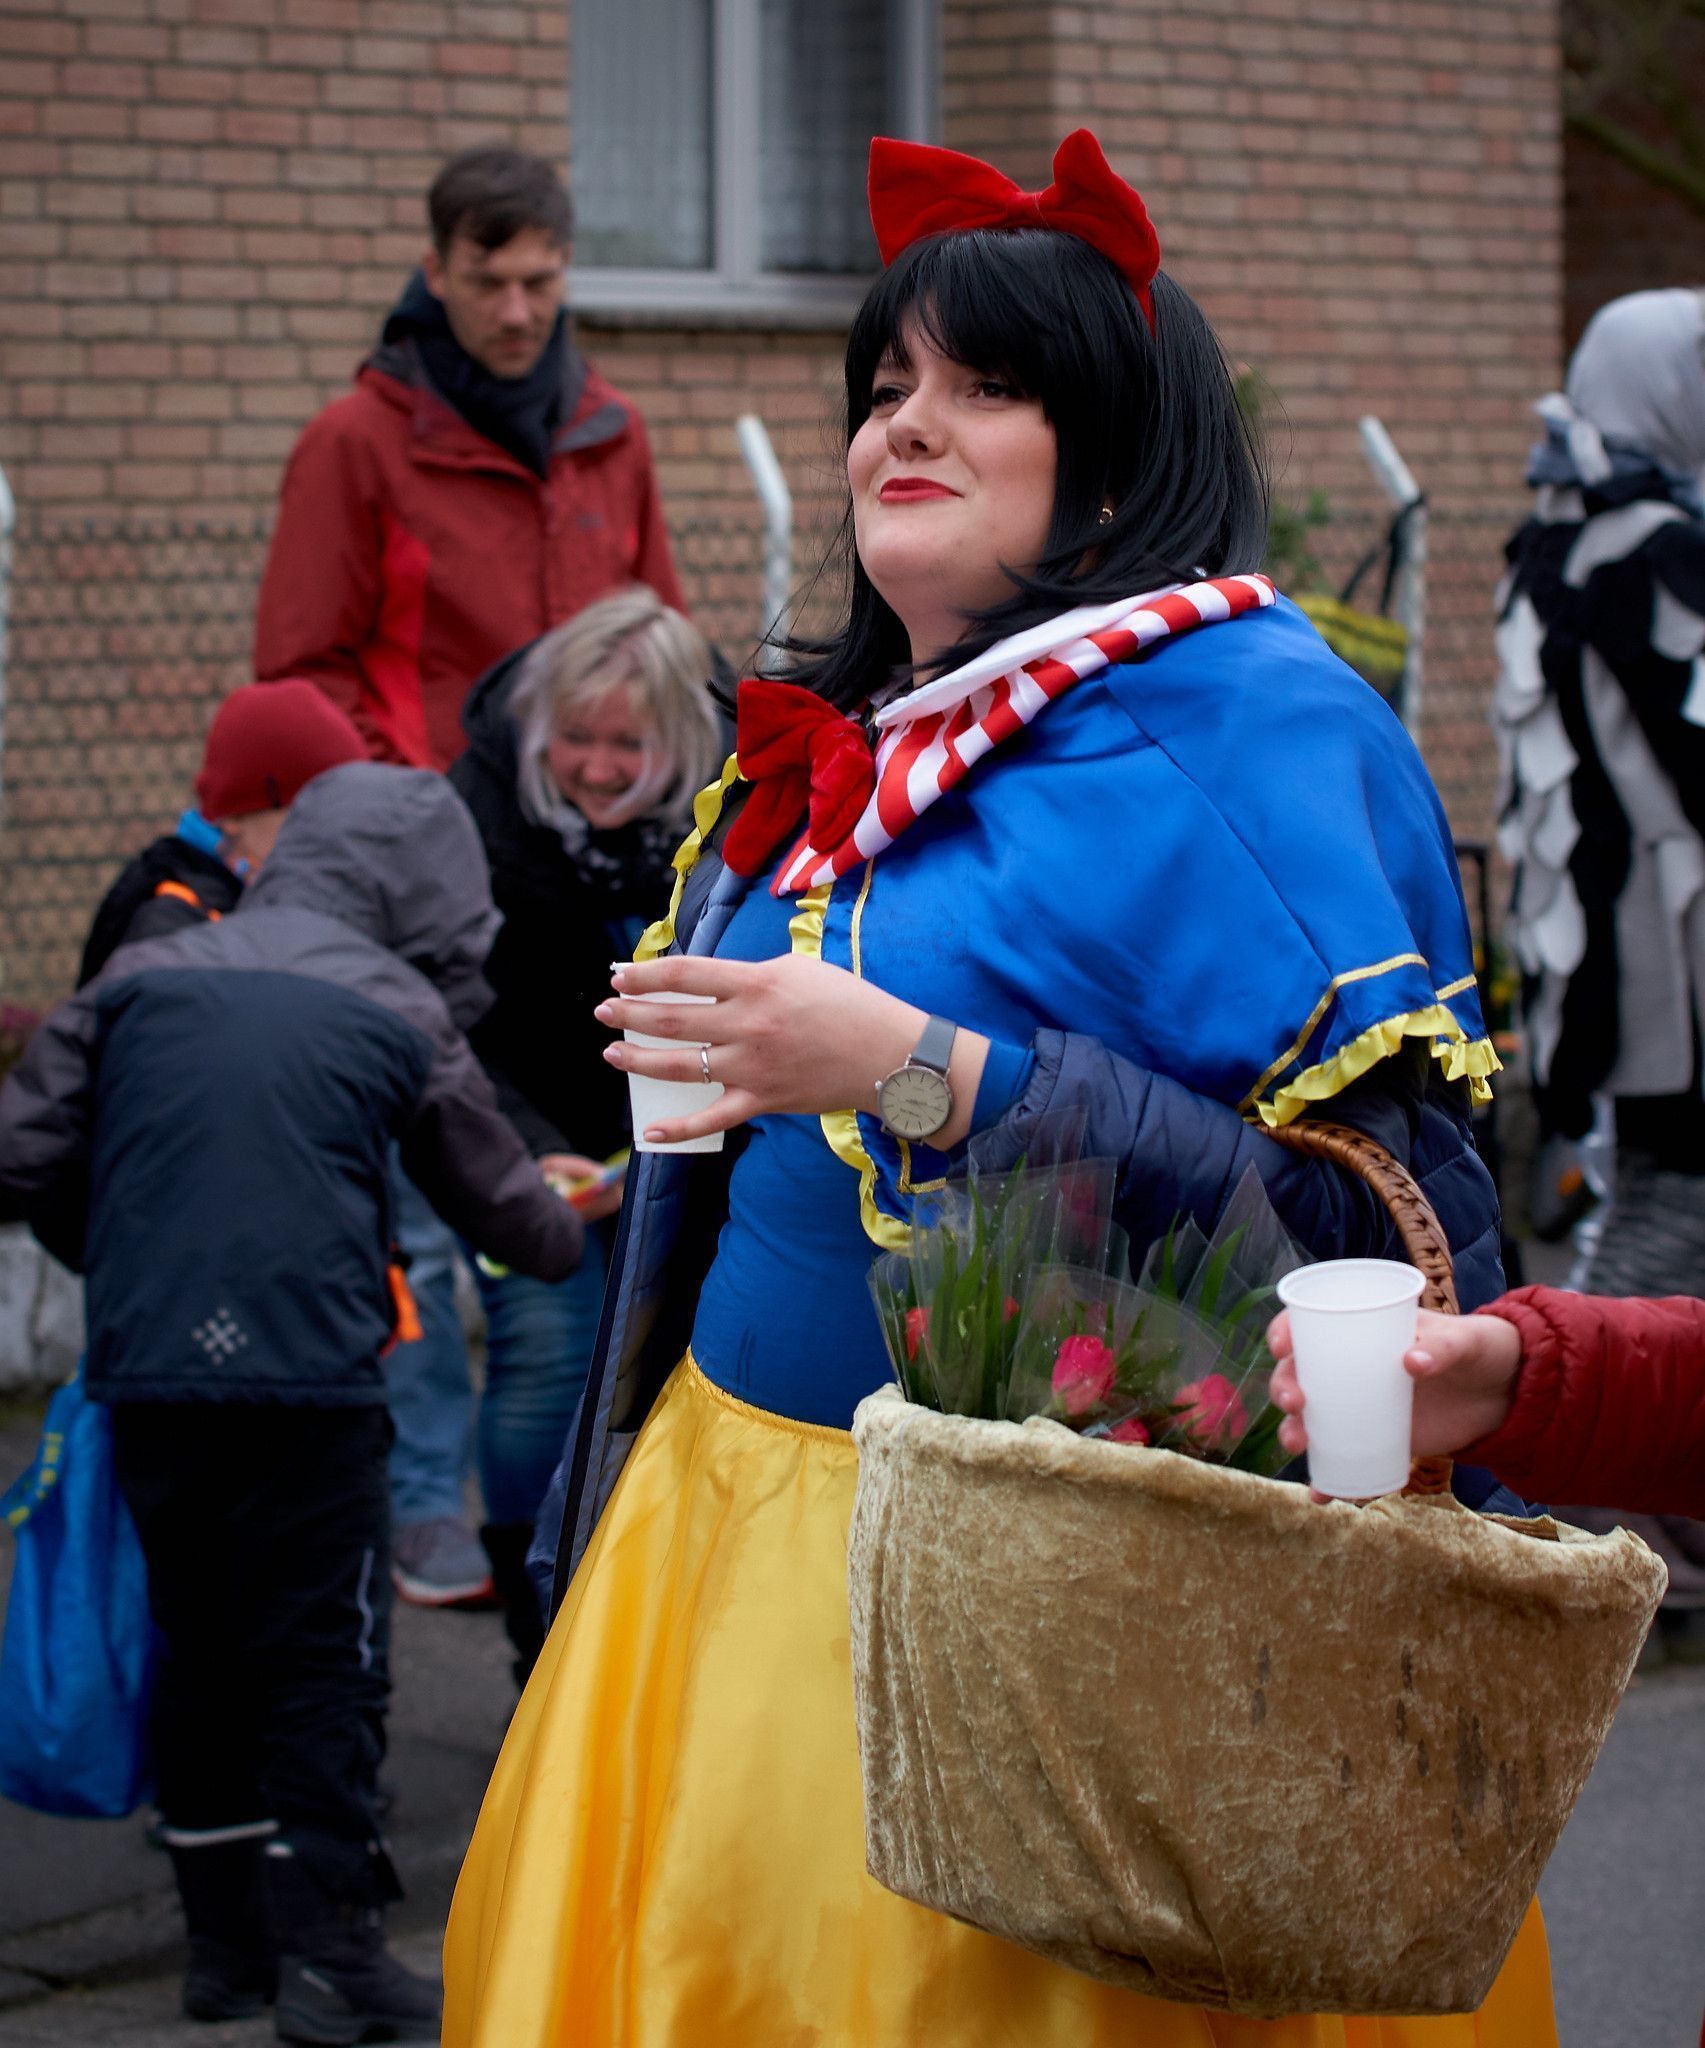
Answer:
[(793, 1035)]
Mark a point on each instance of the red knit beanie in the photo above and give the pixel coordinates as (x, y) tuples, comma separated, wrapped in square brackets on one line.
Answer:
[(265, 742)]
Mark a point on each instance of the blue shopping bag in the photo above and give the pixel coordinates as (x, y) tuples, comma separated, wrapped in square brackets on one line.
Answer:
[(77, 1658)]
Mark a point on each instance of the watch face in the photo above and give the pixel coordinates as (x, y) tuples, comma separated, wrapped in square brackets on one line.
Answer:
[(916, 1102)]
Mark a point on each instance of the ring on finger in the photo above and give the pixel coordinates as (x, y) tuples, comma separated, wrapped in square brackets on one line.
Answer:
[(704, 1064)]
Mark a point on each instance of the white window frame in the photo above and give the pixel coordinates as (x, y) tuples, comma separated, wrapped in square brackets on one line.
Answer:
[(736, 291)]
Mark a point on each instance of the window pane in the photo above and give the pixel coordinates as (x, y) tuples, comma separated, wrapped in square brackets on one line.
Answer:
[(825, 93), (641, 133)]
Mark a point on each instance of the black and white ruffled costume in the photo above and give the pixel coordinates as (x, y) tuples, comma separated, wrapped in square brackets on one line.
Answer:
[(1600, 713), (1600, 716)]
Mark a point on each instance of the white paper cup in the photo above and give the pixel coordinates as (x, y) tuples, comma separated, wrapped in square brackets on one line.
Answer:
[(1351, 1322), (656, 1102)]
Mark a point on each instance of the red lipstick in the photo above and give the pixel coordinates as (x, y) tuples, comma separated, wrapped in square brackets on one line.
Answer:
[(900, 490)]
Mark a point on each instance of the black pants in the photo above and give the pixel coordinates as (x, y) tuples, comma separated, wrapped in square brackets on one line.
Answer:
[(267, 1536)]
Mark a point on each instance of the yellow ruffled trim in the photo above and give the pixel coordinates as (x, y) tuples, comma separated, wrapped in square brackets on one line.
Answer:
[(805, 935), (840, 1126), (657, 938), (1463, 1057)]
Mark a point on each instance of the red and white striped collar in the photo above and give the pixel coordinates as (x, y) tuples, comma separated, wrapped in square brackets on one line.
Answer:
[(932, 735)]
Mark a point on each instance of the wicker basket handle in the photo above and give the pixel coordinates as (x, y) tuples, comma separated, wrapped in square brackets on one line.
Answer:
[(1417, 1224)]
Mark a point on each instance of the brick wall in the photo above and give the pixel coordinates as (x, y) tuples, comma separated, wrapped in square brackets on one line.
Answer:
[(203, 202), (1623, 233), (206, 205)]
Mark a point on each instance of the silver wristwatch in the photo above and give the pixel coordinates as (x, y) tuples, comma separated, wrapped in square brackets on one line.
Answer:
[(915, 1101)]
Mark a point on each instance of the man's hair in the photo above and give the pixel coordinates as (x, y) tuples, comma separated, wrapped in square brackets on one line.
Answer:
[(492, 194)]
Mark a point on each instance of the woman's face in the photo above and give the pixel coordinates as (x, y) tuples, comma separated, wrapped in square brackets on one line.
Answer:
[(951, 475), (596, 754)]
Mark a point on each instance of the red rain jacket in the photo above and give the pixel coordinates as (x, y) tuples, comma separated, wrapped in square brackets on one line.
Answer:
[(1609, 1408), (411, 553)]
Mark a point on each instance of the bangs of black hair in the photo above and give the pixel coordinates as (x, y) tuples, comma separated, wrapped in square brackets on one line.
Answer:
[(956, 298), (1147, 423)]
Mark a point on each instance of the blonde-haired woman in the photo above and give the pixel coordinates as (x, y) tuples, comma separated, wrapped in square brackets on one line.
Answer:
[(584, 752)]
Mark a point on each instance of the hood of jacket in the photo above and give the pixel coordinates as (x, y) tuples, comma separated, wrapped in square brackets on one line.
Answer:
[(393, 853)]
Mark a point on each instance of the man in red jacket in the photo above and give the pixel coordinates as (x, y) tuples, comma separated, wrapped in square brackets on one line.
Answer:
[(480, 484)]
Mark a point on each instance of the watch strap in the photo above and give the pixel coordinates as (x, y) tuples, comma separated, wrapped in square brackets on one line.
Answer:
[(935, 1047)]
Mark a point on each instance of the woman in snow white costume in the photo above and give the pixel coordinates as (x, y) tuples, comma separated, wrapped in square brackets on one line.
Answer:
[(1133, 843)]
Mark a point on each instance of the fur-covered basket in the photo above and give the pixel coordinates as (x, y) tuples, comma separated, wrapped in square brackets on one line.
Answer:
[(1183, 1729)]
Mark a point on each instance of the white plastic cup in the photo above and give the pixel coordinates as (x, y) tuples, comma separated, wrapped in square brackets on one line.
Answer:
[(1351, 1322), (655, 1102)]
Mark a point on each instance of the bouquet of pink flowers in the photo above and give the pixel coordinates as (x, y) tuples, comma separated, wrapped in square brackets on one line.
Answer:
[(1013, 1299)]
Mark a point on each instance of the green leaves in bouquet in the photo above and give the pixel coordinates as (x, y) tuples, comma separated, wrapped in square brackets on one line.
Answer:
[(1225, 1287), (949, 1305), (892, 1289), (974, 1329), (988, 1314)]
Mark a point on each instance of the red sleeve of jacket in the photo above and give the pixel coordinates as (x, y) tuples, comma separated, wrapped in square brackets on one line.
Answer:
[(1609, 1407), (319, 598), (654, 564)]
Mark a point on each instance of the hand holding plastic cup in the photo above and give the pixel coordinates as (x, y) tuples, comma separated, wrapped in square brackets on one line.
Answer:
[(654, 1102), (1351, 1322)]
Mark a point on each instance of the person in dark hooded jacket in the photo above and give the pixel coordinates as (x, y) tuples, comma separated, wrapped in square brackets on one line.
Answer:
[(584, 754), (262, 749), (480, 484), (203, 1131)]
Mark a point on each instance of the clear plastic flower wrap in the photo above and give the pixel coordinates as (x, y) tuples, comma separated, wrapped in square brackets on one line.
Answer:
[(1014, 1298)]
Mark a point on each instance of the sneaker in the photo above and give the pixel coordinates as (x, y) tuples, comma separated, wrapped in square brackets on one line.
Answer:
[(439, 1563)]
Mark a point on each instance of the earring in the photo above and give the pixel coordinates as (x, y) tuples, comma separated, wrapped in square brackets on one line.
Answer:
[(1106, 516)]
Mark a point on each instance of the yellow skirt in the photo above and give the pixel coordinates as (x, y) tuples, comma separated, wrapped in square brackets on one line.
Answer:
[(671, 1853)]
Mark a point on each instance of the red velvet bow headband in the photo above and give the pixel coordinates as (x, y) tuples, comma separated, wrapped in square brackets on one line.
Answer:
[(917, 190)]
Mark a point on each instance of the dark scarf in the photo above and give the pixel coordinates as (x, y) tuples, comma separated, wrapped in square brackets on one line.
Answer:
[(624, 870), (521, 415)]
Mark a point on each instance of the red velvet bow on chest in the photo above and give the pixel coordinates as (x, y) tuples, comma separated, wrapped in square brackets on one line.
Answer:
[(917, 190), (800, 756)]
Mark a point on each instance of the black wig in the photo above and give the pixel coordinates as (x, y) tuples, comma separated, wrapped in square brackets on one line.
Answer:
[(1146, 423)]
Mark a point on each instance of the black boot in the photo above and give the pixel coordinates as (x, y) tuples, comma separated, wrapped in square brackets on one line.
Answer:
[(506, 1544), (337, 1982), (233, 1967)]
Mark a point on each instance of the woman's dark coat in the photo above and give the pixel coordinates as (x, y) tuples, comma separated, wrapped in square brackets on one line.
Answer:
[(550, 963)]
